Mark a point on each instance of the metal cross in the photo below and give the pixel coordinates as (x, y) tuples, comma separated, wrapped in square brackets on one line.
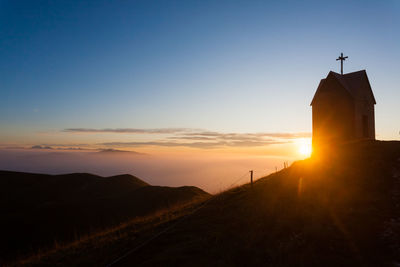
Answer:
[(341, 58)]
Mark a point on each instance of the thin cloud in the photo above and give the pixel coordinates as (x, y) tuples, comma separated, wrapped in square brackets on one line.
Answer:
[(195, 138), (248, 136), (205, 145), (61, 147), (129, 130), (118, 151), (192, 138), (41, 147), (290, 135), (185, 133)]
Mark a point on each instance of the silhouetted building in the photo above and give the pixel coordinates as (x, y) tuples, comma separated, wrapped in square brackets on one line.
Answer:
[(343, 109)]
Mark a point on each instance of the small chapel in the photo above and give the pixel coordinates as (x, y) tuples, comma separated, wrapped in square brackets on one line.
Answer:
[(343, 108)]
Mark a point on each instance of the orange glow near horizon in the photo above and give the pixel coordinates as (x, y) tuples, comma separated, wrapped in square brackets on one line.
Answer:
[(212, 169), (293, 149)]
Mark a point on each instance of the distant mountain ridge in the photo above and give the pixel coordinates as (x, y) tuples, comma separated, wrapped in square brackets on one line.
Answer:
[(37, 209)]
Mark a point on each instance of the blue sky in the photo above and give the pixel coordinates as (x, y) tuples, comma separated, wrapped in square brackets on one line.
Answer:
[(226, 66)]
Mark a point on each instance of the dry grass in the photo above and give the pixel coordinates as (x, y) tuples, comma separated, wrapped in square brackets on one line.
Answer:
[(315, 213), (129, 232), (43, 211)]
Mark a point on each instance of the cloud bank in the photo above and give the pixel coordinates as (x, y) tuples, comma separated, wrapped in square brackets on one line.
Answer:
[(179, 137), (189, 133), (205, 145), (194, 138)]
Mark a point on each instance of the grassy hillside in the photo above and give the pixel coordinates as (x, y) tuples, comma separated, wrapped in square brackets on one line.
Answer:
[(38, 210), (339, 211), (343, 210)]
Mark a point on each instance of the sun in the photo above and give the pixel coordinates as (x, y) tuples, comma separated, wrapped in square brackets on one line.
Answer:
[(304, 147)]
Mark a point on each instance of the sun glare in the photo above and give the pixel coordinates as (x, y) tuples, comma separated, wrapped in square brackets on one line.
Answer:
[(305, 147)]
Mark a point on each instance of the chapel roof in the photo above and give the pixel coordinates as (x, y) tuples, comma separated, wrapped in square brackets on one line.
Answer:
[(356, 83)]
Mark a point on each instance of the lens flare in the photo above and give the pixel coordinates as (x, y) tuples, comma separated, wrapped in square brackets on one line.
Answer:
[(304, 147)]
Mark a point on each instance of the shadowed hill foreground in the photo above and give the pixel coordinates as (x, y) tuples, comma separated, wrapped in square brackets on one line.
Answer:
[(343, 210), (39, 211)]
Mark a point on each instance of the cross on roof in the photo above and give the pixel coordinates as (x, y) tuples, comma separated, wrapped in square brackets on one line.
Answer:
[(341, 58)]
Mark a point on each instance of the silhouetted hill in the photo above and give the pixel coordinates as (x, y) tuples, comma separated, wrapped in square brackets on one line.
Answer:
[(43, 188), (343, 210), (37, 209)]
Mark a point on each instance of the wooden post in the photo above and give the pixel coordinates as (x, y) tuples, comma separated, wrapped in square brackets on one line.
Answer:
[(251, 177)]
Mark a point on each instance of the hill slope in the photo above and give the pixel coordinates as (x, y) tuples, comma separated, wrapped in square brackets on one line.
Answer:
[(340, 211), (38, 209)]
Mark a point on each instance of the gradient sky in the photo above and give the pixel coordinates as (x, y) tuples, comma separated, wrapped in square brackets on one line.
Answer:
[(70, 69)]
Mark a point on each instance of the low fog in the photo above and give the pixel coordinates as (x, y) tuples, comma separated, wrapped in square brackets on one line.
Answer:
[(211, 173)]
